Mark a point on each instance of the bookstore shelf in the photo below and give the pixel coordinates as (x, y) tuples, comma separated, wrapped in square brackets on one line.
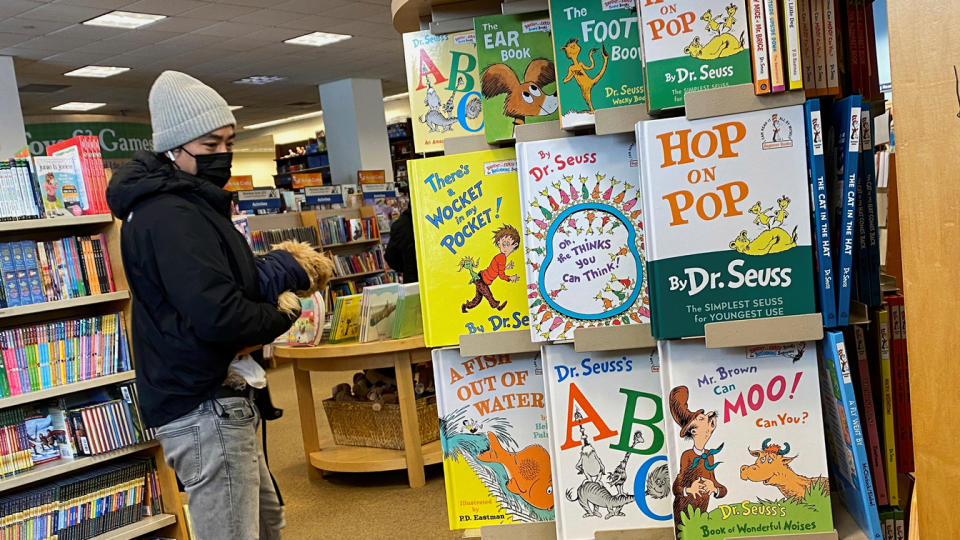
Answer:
[(310, 170), (366, 459), (354, 243), (44, 224), (361, 274), (64, 466), (136, 530), (44, 307), (71, 388)]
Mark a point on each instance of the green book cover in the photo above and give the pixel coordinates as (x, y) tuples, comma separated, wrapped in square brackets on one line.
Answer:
[(598, 58), (517, 75), (691, 45)]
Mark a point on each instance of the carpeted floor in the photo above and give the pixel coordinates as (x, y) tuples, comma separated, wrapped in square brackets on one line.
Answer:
[(341, 505)]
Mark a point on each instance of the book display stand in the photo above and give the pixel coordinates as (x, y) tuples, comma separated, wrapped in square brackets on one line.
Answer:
[(509, 342)]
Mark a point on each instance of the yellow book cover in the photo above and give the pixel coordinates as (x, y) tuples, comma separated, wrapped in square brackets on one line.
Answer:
[(443, 85), (347, 320), (466, 217)]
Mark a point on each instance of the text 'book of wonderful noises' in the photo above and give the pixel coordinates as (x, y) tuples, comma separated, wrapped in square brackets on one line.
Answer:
[(745, 440), (493, 431), (444, 87), (727, 214), (606, 440), (583, 234), (466, 219)]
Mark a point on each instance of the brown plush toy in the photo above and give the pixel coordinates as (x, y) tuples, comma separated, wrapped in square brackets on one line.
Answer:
[(317, 266)]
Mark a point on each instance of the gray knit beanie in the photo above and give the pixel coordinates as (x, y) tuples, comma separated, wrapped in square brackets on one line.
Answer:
[(183, 109)]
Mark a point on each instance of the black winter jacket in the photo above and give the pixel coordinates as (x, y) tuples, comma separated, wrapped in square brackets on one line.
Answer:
[(196, 294), (401, 252)]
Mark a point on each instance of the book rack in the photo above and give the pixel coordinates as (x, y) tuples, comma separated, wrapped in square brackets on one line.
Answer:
[(466, 144), (513, 7), (734, 99), (505, 342), (541, 131), (613, 338), (771, 330), (619, 119)]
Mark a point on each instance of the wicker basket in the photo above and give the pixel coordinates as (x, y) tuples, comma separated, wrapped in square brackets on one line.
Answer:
[(355, 423)]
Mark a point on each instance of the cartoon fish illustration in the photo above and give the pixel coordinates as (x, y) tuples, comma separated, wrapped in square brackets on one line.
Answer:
[(574, 194), (567, 327), (596, 189), (553, 204), (538, 236), (572, 223), (546, 316), (609, 191), (546, 213), (606, 219), (636, 316), (556, 323), (634, 215), (607, 303), (590, 217)]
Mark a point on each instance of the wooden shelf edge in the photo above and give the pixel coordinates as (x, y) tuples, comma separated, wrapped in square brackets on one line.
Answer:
[(354, 243), (54, 223), (44, 307), (613, 338), (540, 530), (353, 459), (620, 119), (503, 342), (765, 331), (57, 391), (734, 99), (140, 528), (361, 274), (61, 466), (466, 144)]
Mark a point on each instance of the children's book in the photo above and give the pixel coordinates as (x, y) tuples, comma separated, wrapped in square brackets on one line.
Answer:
[(583, 234), (831, 49), (308, 328), (45, 433), (863, 382), (726, 210), (821, 213), (493, 432), (599, 63), (775, 46), (758, 46), (443, 85), (466, 219), (807, 60), (345, 325), (517, 74), (59, 179), (409, 319), (819, 46), (882, 336), (846, 122), (791, 44), (745, 440), (848, 454), (379, 308), (606, 440), (693, 45), (869, 206), (71, 149)]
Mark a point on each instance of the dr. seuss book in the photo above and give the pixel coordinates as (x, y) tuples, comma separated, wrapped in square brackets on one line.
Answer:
[(59, 178), (693, 45), (726, 210), (775, 46), (745, 440), (466, 219), (493, 431), (583, 234), (821, 212), (758, 46), (599, 63), (791, 44), (843, 197), (848, 454), (517, 75), (443, 83), (606, 440)]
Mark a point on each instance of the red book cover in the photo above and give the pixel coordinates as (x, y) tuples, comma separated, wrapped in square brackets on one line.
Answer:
[(90, 429), (848, 12), (901, 388), (98, 167), (52, 149), (869, 416), (95, 164)]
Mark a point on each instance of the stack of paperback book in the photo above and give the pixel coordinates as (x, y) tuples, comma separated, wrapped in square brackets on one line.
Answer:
[(345, 323), (263, 241), (367, 261), (340, 230)]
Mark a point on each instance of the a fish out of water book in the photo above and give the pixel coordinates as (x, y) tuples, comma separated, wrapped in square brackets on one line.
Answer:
[(693, 45), (466, 219), (745, 440), (583, 234), (517, 74), (606, 440), (599, 63), (444, 87), (493, 431), (727, 214)]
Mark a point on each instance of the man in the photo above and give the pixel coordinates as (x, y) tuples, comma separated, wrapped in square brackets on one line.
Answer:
[(197, 302), (696, 481), (401, 253), (507, 240)]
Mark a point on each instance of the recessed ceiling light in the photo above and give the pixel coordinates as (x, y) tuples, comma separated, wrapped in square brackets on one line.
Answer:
[(124, 19), (259, 79), (284, 120), (317, 39), (235, 107), (78, 106), (98, 72)]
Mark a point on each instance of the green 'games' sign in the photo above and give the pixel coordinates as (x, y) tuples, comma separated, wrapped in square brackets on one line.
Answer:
[(118, 140)]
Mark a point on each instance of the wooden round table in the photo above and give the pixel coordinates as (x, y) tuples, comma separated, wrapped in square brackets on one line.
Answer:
[(399, 354)]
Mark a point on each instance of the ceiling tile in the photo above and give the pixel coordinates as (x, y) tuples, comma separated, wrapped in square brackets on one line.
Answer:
[(87, 32), (179, 24), (219, 12), (18, 25), (62, 13), (228, 29), (106, 5), (9, 40), (27, 52), (311, 7), (267, 17), (163, 7)]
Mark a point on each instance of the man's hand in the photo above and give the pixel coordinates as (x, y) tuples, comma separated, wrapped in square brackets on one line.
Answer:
[(708, 486), (509, 266), (513, 279)]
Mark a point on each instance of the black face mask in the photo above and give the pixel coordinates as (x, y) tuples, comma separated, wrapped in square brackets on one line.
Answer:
[(214, 168)]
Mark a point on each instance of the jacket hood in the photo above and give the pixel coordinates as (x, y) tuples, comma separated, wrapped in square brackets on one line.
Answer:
[(147, 175)]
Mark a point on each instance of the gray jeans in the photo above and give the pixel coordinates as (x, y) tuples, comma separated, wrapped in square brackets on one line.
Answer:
[(216, 454)]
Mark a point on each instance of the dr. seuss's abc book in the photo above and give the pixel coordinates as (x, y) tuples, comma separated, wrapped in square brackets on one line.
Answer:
[(466, 219), (493, 431), (693, 45), (850, 465), (606, 440), (596, 44), (517, 75), (443, 83), (727, 214), (583, 234), (745, 440)]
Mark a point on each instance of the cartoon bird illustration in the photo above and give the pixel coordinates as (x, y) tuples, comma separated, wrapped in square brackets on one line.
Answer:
[(546, 213), (609, 191), (572, 223), (606, 219), (554, 293), (623, 251), (619, 198), (583, 187), (730, 20), (627, 206), (553, 203), (564, 199)]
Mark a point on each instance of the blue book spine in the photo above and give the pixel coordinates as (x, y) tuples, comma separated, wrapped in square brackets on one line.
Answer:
[(849, 455), (29, 249), (10, 284), (870, 205), (821, 212), (21, 270), (861, 261), (847, 116)]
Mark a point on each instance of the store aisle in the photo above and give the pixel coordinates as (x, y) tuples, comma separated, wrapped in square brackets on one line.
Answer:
[(357, 506)]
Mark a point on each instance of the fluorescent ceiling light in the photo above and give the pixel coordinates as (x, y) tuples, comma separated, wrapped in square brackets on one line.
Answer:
[(317, 39), (124, 19), (98, 72), (78, 106), (284, 120), (259, 79), (394, 97), (235, 107)]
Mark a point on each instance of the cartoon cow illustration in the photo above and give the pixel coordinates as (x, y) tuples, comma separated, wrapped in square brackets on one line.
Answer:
[(773, 468)]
